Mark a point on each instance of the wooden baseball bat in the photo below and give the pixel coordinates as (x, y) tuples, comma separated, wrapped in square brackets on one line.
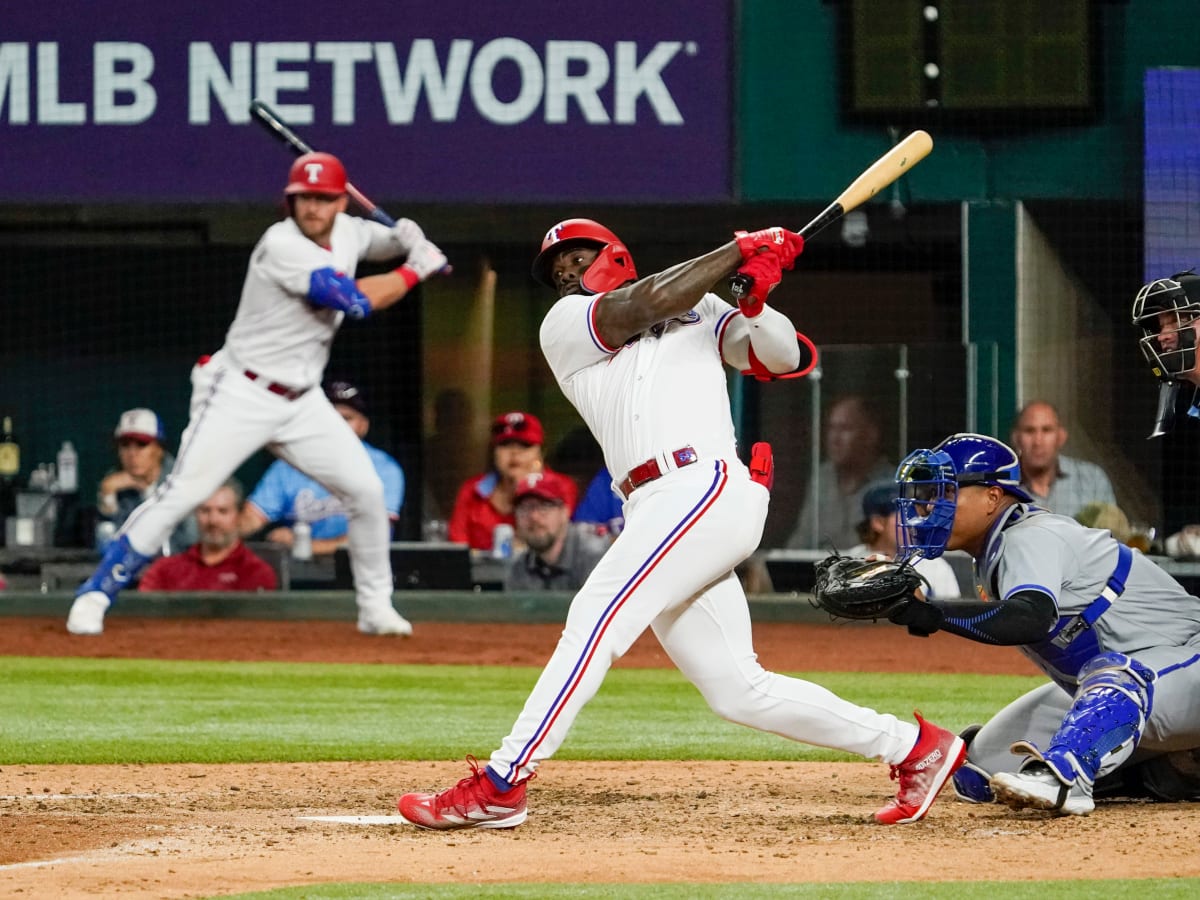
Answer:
[(896, 162), (274, 125)]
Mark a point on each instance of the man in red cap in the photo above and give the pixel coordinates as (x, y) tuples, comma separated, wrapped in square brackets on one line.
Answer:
[(558, 557), (486, 500)]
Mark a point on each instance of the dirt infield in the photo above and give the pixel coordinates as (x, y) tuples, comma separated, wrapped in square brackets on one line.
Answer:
[(189, 831)]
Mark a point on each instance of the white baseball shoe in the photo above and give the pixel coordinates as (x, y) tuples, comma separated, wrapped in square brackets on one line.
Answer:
[(1037, 787), (384, 621), (87, 613)]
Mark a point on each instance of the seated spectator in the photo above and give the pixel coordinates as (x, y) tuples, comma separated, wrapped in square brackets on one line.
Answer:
[(878, 533), (486, 500), (219, 561), (1059, 483), (854, 458), (143, 464), (1184, 544), (285, 495), (600, 506), (1107, 516), (559, 555)]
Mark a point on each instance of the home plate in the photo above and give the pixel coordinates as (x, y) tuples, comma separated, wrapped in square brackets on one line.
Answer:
[(356, 820)]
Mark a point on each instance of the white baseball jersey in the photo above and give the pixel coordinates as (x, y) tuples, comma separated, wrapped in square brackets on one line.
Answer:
[(277, 332), (283, 339), (652, 395), (671, 568)]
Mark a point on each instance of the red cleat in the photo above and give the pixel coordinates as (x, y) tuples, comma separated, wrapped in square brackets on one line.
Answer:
[(472, 803), (936, 756)]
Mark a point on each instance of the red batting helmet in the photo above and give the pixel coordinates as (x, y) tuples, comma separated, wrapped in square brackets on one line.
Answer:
[(316, 173), (618, 267)]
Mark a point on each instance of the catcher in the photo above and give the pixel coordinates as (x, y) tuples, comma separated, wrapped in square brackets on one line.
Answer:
[(1117, 636)]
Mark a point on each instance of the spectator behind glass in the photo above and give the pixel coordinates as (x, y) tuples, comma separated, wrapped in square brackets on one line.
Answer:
[(219, 561), (143, 464), (286, 495), (853, 459), (878, 533), (1056, 482), (559, 555), (486, 500)]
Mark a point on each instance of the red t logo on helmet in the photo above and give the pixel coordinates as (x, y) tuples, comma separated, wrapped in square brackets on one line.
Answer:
[(317, 173)]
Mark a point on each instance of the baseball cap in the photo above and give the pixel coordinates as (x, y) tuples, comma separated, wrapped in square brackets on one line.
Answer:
[(141, 423), (523, 428), (343, 393), (879, 499), (544, 485)]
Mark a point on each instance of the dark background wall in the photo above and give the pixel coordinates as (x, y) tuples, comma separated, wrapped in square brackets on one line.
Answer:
[(105, 307)]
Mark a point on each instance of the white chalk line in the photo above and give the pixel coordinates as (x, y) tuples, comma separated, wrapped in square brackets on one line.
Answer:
[(79, 796), (356, 820), (135, 848)]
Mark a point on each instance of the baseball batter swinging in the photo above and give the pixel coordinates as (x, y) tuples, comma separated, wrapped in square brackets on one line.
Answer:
[(260, 388), (642, 363)]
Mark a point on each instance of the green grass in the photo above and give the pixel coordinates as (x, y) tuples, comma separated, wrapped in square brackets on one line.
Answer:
[(110, 711), (1160, 889), (106, 711)]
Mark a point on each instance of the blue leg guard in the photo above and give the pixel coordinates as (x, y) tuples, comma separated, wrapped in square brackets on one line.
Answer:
[(1113, 701), (972, 784), (119, 565)]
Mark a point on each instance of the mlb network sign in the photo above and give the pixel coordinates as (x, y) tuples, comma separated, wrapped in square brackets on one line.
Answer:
[(124, 101)]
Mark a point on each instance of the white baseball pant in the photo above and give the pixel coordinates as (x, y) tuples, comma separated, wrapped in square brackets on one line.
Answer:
[(232, 417), (672, 569)]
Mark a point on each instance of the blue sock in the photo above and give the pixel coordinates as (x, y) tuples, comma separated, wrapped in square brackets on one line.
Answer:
[(119, 565), (497, 782)]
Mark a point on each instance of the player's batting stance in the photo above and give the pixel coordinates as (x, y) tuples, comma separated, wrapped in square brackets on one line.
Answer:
[(643, 362), (1118, 637), (261, 388)]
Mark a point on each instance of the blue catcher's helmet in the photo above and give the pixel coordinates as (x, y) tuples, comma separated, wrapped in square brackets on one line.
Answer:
[(926, 506)]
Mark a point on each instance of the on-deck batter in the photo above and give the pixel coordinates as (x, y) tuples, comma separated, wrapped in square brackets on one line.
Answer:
[(258, 389), (1118, 636), (642, 362)]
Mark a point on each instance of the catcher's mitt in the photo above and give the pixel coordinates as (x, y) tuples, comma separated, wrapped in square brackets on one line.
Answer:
[(849, 588)]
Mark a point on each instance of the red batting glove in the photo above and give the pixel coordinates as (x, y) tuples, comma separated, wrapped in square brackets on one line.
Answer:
[(787, 245), (762, 272)]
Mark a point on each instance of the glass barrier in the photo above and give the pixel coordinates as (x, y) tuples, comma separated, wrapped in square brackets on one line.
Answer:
[(852, 420)]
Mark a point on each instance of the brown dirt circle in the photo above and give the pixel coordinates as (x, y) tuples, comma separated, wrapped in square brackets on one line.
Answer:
[(193, 831)]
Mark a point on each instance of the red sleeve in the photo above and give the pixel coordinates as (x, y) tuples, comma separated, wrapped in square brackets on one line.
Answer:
[(458, 530), (263, 578), (155, 577)]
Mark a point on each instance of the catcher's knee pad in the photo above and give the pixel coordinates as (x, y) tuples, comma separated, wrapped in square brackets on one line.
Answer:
[(1113, 701)]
